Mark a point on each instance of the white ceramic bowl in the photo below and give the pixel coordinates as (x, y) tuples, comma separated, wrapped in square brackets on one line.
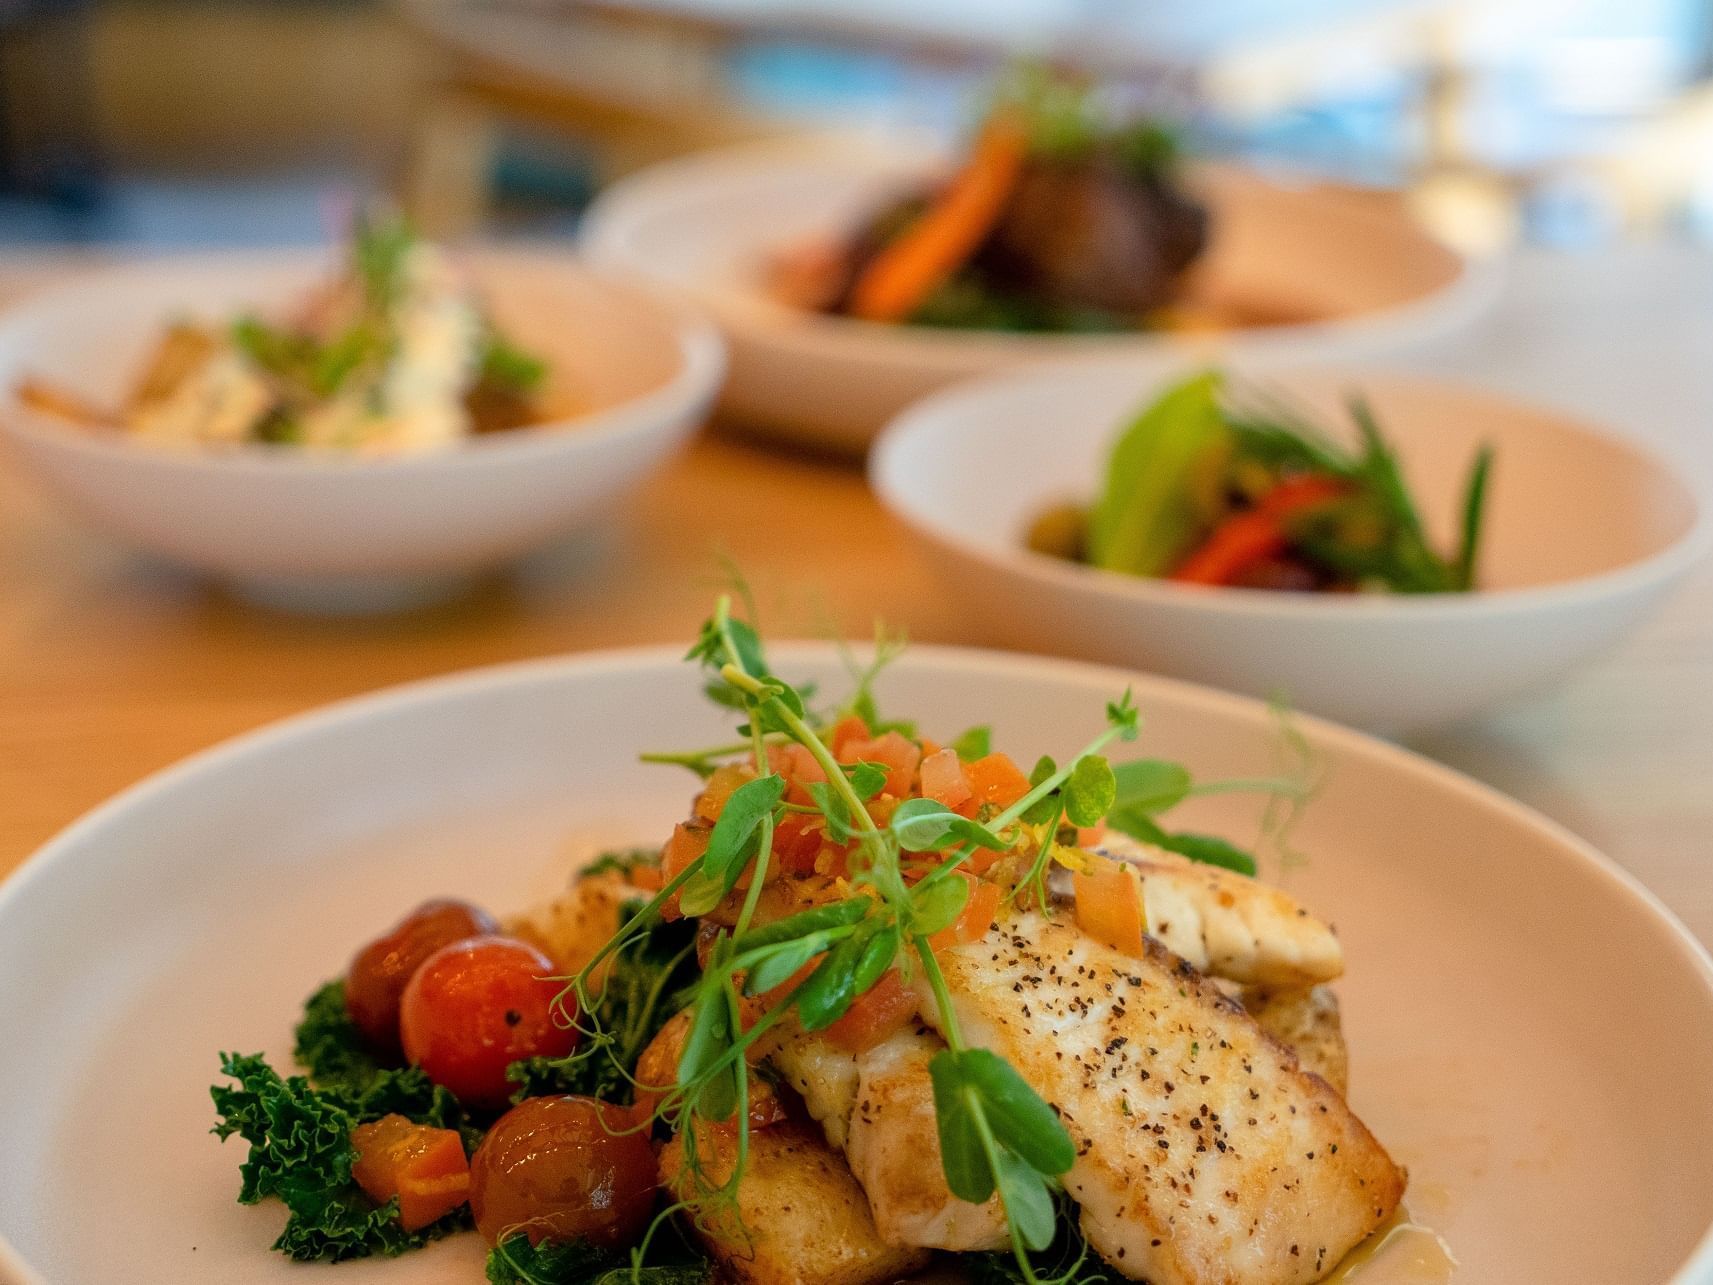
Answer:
[(1530, 1033), (1585, 533), (323, 531), (709, 225)]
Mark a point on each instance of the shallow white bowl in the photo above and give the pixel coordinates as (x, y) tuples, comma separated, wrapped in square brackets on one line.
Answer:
[(709, 225), (1585, 533), (328, 531), (1531, 1034)]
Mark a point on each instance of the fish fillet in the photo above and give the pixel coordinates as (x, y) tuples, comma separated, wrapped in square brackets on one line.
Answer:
[(1227, 924), (1205, 1154), (878, 1107)]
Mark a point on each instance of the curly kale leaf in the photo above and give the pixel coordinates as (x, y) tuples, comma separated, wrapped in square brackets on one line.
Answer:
[(301, 1153), (329, 1044), (340, 1065)]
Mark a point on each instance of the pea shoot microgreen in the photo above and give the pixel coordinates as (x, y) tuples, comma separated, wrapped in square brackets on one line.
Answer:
[(898, 889)]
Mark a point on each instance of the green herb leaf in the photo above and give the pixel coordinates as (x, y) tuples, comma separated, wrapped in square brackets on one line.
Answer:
[(838, 914), (974, 744), (1205, 848), (867, 779), (832, 987), (963, 1154), (834, 808), (622, 861), (702, 892), (1028, 1202), (927, 825), (1020, 1119), (937, 902), (1045, 808), (707, 1042), (1474, 506), (1146, 515), (508, 368), (732, 841), (996, 1132), (779, 967), (1150, 785), (1090, 790)]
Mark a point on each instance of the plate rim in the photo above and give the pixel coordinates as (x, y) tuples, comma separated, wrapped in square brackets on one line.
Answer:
[(1695, 1269)]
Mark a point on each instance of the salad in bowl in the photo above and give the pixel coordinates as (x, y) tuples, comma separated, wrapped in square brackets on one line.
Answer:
[(1057, 218), (1214, 485), (394, 354)]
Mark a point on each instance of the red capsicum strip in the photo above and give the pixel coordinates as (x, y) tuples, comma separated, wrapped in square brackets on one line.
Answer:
[(1255, 534)]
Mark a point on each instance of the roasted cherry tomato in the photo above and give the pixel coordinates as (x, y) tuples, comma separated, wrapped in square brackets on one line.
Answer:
[(564, 1168), (474, 1008), (378, 975)]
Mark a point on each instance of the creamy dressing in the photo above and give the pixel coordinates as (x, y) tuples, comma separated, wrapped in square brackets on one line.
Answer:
[(413, 401), (1402, 1252), (418, 400)]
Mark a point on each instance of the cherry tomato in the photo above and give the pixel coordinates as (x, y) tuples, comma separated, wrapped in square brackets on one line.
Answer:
[(378, 974), (474, 1008), (564, 1168)]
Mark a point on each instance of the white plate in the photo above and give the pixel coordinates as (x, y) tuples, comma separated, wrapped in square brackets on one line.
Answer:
[(333, 532), (1585, 533), (709, 225), (1531, 1033)]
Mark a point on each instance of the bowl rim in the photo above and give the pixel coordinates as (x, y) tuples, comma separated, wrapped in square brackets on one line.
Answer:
[(1695, 1269), (699, 372), (606, 235), (918, 422)]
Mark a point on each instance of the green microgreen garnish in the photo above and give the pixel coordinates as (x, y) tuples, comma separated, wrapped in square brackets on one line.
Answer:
[(898, 889)]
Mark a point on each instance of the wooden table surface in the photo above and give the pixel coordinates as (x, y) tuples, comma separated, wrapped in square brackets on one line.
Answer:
[(111, 668)]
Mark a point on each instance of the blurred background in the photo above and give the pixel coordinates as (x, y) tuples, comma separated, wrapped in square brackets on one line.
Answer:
[(174, 123)]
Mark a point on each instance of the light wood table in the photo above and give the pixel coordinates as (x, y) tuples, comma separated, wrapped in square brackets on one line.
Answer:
[(111, 668)]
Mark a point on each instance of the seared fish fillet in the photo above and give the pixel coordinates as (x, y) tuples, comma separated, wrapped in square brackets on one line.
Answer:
[(801, 1218), (878, 1107), (1205, 1154), (1227, 924), (1307, 1023)]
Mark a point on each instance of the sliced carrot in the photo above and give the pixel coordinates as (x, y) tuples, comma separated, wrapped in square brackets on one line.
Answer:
[(800, 769), (1109, 906), (720, 787), (899, 279), (943, 778), (848, 729), (995, 779), (1242, 540), (884, 1009), (424, 1167), (688, 841), (797, 842), (1246, 538), (974, 919), (895, 752), (1303, 492)]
